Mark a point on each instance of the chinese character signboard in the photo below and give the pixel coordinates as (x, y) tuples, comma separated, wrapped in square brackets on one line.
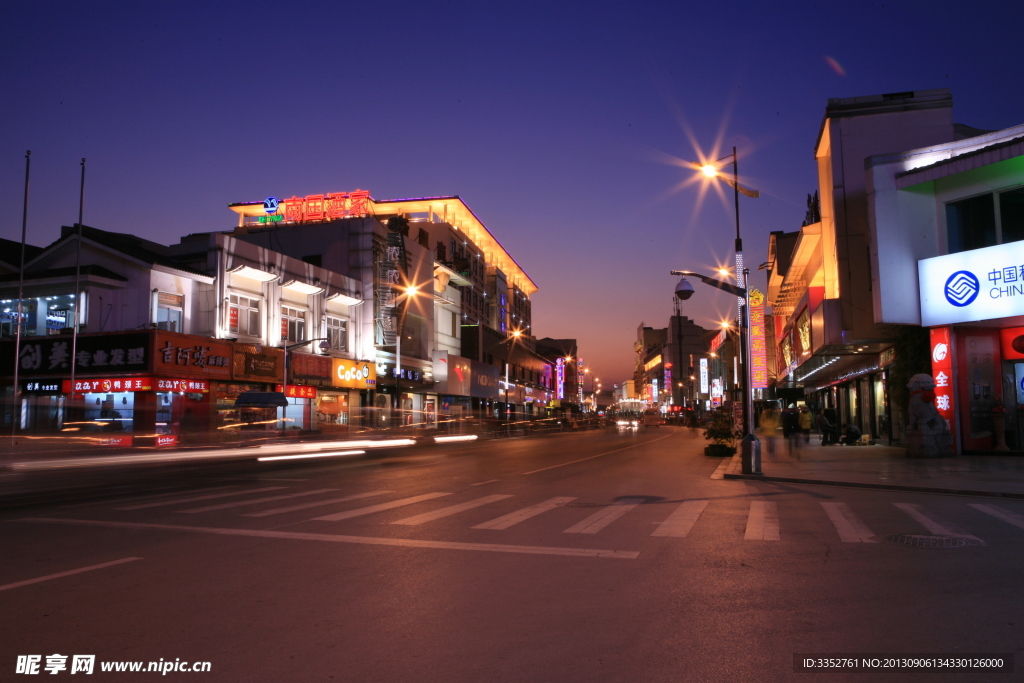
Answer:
[(704, 376), (942, 372), (95, 355), (297, 391), (265, 365), (980, 284), (190, 356), (309, 366), (113, 385), (758, 345)]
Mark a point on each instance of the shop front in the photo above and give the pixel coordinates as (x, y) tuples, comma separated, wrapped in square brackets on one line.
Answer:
[(415, 388), (973, 304), (452, 381), (340, 405), (484, 389), (253, 368)]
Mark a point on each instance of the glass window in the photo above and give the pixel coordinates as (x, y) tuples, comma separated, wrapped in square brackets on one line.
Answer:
[(971, 223), (244, 316), (337, 333), (293, 324), (1011, 215)]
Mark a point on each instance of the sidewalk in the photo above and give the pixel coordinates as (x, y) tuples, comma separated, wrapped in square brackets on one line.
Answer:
[(886, 467)]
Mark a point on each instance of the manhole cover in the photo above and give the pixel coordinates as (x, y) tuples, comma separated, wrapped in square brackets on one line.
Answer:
[(917, 541)]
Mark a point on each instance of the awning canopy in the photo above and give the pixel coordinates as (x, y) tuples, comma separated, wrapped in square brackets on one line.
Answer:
[(261, 399)]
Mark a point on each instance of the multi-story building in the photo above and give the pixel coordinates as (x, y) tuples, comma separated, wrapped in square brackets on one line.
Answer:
[(830, 338), (446, 295), (173, 334)]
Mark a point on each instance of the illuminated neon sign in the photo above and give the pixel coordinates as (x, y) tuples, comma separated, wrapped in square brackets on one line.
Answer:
[(758, 345), (317, 207)]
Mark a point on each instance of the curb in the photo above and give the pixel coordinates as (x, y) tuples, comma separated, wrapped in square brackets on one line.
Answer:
[(731, 474)]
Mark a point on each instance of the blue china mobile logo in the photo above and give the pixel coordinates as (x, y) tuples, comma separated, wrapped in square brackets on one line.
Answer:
[(270, 205), (962, 288)]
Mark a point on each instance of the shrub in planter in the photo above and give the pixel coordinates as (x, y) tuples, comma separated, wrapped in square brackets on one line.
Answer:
[(721, 435)]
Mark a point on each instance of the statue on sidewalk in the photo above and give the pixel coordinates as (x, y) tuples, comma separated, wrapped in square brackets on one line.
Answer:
[(927, 434)]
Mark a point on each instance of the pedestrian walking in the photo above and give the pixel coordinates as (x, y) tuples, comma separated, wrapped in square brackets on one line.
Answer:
[(791, 427), (769, 429)]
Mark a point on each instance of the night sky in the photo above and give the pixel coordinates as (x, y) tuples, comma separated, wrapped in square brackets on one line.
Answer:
[(561, 128)]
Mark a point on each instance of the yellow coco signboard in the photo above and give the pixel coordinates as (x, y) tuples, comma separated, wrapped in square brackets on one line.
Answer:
[(352, 374)]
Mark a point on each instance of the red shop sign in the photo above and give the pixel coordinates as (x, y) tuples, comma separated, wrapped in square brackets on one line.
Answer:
[(112, 385)]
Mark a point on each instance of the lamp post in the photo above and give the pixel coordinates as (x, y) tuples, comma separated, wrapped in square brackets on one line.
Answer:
[(751, 447), (508, 361)]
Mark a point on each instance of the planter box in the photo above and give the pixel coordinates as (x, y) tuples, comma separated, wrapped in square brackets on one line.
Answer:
[(720, 450)]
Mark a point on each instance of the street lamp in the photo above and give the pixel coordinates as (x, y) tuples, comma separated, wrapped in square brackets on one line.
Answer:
[(714, 170), (409, 291), (751, 447)]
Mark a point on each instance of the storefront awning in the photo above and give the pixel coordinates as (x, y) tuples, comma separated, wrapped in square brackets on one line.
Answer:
[(261, 399)]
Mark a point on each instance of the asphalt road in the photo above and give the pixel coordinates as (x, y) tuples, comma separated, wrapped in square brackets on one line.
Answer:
[(594, 556)]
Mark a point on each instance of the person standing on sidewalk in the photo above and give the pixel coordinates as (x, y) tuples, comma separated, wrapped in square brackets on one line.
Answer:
[(829, 434), (791, 428)]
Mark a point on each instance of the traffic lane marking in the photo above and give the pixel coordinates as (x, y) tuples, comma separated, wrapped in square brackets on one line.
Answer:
[(999, 513), (319, 503), (934, 525), (193, 499), (360, 540), (602, 518), (254, 501), (680, 522), (512, 518), (450, 510), (849, 527), (573, 462), (369, 510), (762, 522), (29, 582)]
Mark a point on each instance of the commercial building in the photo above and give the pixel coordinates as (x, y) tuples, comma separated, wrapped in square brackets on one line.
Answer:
[(447, 298), (824, 289)]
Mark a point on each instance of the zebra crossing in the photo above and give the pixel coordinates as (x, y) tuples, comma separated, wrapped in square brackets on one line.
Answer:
[(765, 522)]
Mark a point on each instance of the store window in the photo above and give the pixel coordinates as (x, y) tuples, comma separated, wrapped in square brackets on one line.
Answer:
[(244, 316), (293, 324), (974, 222), (337, 333), (170, 312)]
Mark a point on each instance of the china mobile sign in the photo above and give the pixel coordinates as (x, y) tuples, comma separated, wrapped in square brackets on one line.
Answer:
[(981, 284), (942, 373)]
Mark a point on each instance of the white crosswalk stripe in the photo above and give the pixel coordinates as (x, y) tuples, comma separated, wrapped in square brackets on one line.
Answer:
[(935, 526), (513, 518), (369, 510), (319, 503), (602, 518), (254, 501), (450, 510), (193, 499), (762, 522), (680, 522), (847, 524), (999, 513)]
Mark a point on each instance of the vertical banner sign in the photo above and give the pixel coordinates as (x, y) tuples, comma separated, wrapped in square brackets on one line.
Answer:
[(942, 373), (560, 378), (703, 375), (758, 346)]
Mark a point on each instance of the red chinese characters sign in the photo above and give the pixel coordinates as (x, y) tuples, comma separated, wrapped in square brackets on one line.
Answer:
[(298, 391), (318, 207), (758, 346), (942, 373)]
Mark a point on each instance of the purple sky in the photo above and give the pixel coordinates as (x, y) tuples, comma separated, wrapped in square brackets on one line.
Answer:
[(557, 126)]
